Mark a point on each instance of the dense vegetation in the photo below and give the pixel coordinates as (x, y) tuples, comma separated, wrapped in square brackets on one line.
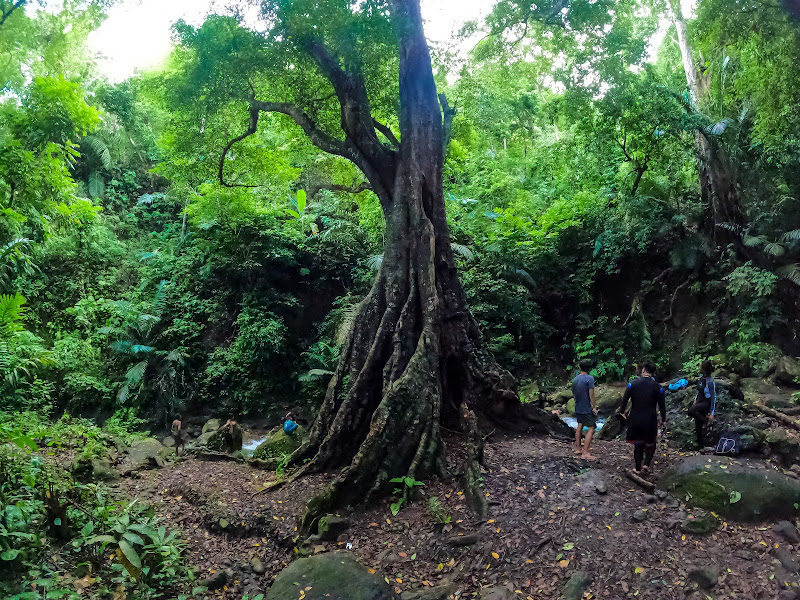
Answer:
[(599, 207)]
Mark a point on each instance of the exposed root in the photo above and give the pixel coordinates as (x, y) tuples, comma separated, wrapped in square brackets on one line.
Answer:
[(473, 484)]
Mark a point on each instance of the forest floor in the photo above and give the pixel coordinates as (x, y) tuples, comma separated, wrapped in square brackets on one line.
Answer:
[(549, 516)]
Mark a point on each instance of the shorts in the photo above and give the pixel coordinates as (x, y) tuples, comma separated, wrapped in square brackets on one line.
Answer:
[(588, 420)]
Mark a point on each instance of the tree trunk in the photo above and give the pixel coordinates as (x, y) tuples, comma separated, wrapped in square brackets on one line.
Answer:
[(717, 185), (414, 354)]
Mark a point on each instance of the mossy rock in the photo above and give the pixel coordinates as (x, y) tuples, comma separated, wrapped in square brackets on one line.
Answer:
[(211, 425), (330, 576), (218, 440), (279, 442), (741, 489)]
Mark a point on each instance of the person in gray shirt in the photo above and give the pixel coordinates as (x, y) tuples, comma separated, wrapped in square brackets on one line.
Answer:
[(585, 409)]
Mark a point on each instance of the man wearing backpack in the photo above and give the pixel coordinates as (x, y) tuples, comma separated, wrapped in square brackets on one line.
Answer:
[(705, 403)]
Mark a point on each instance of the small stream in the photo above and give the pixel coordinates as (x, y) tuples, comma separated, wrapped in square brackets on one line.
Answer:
[(250, 446), (573, 422)]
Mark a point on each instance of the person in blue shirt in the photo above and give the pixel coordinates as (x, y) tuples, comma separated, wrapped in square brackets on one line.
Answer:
[(646, 395), (585, 409), (705, 403)]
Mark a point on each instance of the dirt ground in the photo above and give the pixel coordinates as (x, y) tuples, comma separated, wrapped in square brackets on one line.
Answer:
[(547, 519)]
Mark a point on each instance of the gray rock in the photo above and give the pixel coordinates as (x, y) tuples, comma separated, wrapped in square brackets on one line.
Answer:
[(662, 494), (787, 371), (329, 576), (497, 593), (601, 487), (787, 560), (211, 425), (640, 516), (257, 566), (279, 443), (169, 441), (440, 592), (705, 576), (701, 524), (650, 498), (331, 527), (787, 530), (577, 585), (758, 491), (143, 454)]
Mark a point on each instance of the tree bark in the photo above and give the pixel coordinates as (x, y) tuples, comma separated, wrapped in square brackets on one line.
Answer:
[(717, 183), (414, 354)]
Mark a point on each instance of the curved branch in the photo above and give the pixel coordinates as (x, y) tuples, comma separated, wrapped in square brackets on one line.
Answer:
[(323, 141), (7, 11), (251, 129), (387, 133)]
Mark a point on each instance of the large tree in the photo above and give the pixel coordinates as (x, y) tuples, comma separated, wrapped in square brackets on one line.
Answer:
[(413, 358)]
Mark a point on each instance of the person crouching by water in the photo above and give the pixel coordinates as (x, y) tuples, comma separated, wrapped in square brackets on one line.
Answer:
[(585, 409), (702, 410), (646, 395)]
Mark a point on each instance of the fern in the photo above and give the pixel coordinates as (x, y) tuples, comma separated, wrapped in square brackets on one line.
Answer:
[(314, 375), (375, 262), (790, 272), (100, 150)]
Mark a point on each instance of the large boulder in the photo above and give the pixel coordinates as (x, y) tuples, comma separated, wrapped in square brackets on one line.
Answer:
[(211, 426), (88, 470), (608, 399), (144, 454), (742, 489), (329, 576), (279, 442), (787, 372)]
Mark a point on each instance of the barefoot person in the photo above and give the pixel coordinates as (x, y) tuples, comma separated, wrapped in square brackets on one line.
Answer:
[(702, 410), (646, 395), (585, 409), (177, 435)]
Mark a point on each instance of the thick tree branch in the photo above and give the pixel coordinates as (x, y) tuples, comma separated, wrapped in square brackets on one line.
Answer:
[(323, 141), (387, 133), (8, 8)]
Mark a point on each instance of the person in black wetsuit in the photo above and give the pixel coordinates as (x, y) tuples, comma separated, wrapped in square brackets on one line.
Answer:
[(646, 395), (702, 410)]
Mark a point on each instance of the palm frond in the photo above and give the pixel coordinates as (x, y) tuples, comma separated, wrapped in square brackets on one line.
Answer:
[(790, 272), (135, 374), (463, 251), (349, 314), (314, 375), (375, 261), (161, 298), (100, 150), (791, 236), (774, 249), (753, 241)]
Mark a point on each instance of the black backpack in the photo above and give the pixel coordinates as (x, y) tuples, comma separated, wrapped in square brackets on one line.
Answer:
[(729, 444)]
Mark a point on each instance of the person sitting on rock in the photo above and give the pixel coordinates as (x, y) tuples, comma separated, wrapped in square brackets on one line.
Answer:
[(646, 395), (177, 435), (705, 403)]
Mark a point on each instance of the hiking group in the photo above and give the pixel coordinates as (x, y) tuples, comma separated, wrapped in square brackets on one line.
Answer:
[(647, 399)]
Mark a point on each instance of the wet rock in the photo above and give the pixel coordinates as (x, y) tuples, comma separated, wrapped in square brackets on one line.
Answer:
[(787, 530), (743, 489), (279, 443), (705, 576), (786, 445), (787, 559), (330, 575), (440, 592), (577, 585), (612, 429), (331, 527), (700, 524)]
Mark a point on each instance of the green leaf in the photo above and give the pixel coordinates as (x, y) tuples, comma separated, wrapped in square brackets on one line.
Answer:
[(735, 497), (57, 522), (133, 538), (87, 529), (106, 539), (301, 200), (395, 507), (130, 554), (10, 554)]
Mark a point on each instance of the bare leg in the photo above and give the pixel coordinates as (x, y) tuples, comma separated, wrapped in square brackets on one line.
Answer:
[(578, 432), (587, 443)]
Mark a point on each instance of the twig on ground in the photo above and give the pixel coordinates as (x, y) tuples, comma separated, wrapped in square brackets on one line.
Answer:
[(643, 483)]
